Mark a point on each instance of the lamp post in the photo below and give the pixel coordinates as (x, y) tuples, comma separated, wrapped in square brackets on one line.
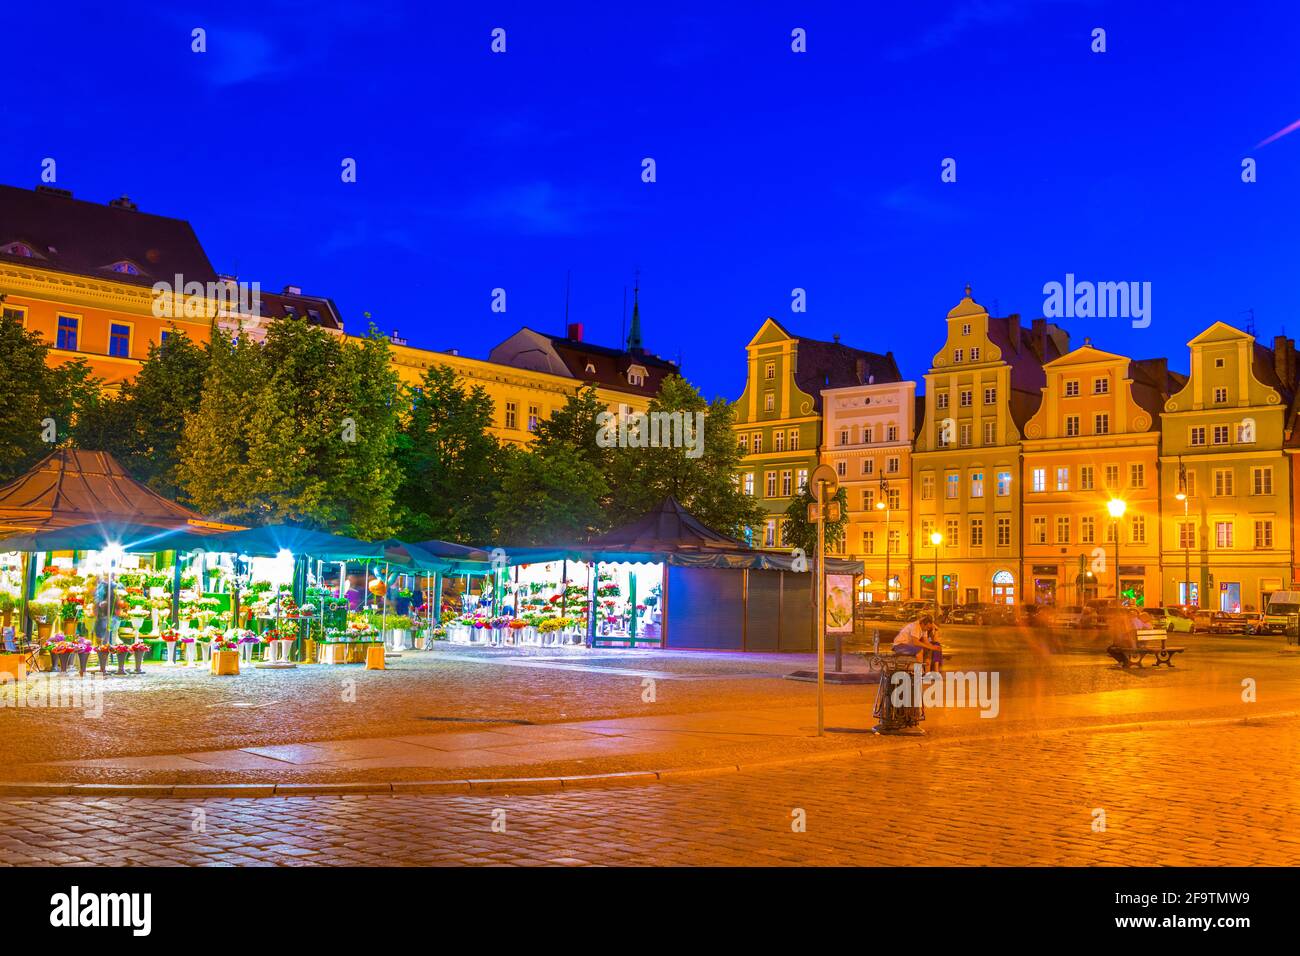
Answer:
[(883, 505), (936, 539), (1117, 507), (1187, 545)]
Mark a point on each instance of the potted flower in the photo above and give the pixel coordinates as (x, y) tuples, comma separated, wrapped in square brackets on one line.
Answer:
[(225, 657), (59, 652), (8, 604), (121, 652), (520, 631), (68, 614), (102, 651)]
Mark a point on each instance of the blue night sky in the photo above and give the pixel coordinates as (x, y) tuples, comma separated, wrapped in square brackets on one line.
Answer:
[(775, 170)]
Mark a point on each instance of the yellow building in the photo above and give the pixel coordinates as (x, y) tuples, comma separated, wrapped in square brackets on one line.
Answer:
[(1224, 451), (983, 385), (1094, 440), (105, 282), (868, 433)]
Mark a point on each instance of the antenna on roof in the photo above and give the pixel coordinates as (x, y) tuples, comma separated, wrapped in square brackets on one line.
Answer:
[(1250, 323), (568, 276), (623, 330)]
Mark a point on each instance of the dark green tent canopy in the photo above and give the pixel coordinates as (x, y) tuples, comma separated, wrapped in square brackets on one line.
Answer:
[(270, 540)]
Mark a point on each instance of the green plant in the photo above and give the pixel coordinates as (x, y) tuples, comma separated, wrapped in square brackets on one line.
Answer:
[(69, 612), (43, 611), (8, 602)]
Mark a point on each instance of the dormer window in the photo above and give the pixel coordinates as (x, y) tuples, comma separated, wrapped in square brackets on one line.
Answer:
[(290, 312), (126, 268), (19, 249), (636, 375), (591, 369)]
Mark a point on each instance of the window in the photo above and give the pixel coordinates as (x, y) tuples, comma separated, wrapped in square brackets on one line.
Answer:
[(1263, 534), (801, 480), (1085, 477), (749, 483), (1218, 363), (927, 529), (868, 434), (67, 334), (1004, 484), (952, 533), (844, 436), (771, 484), (1038, 531), (1220, 434), (1100, 386), (1220, 396), (1246, 433), (119, 340), (974, 353), (891, 433), (1196, 435), (534, 413), (991, 395), (1062, 479), (1222, 482), (1062, 529), (927, 487), (1261, 481), (1189, 484), (841, 467), (1137, 475), (967, 396), (163, 336), (868, 542), (786, 478), (868, 499), (1112, 532), (758, 443), (965, 329), (891, 464), (1072, 426), (744, 444), (17, 315), (1223, 534), (1137, 527), (778, 441), (965, 434), (957, 355), (635, 378), (769, 402), (1187, 535), (1112, 477), (1072, 388), (892, 496), (1101, 423), (977, 484), (512, 415), (794, 441), (941, 400), (1039, 479), (977, 532), (990, 433), (868, 465), (1087, 530), (894, 541), (769, 371), (951, 486), (1004, 532), (769, 533)]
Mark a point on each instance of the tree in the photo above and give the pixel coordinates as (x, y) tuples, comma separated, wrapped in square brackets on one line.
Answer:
[(142, 426), (32, 394), (547, 496), (575, 425), (798, 532), (299, 428), (702, 478), (448, 461)]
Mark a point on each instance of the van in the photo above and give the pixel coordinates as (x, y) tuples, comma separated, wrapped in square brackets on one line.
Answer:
[(1282, 614)]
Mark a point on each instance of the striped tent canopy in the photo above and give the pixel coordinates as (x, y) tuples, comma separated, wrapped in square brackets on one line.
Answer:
[(74, 487)]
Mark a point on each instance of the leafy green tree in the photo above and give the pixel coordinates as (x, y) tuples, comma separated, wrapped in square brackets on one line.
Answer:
[(31, 392), (575, 425), (142, 426), (448, 461), (548, 496), (705, 483), (798, 532)]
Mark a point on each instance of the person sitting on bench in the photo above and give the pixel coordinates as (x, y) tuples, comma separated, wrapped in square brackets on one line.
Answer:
[(920, 637), (1126, 636)]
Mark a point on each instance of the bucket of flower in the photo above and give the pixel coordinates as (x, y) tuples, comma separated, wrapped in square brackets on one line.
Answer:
[(519, 631), (81, 650), (247, 641), (207, 643), (279, 645), (138, 650), (102, 651), (60, 654), (189, 645), (69, 611), (225, 657), (121, 652), (170, 638)]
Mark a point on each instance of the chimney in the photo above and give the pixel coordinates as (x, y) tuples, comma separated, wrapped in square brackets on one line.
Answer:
[(1284, 360), (123, 203), (292, 290), (574, 331), (396, 339), (861, 367), (1013, 331), (1038, 333)]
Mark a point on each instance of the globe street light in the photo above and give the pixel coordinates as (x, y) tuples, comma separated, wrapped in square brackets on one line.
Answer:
[(1117, 507), (883, 505), (936, 539)]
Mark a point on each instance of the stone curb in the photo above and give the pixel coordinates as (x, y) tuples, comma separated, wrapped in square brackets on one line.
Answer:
[(508, 785)]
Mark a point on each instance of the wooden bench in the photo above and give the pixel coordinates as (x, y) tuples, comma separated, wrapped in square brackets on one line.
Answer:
[(1151, 642)]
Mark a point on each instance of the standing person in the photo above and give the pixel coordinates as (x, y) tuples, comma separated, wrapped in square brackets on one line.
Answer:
[(921, 637), (353, 594), (103, 626)]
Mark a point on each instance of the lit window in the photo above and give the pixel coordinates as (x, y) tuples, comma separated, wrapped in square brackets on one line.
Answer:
[(67, 334), (512, 415), (977, 484), (1039, 479), (1072, 388), (119, 340), (1062, 530), (1100, 386), (126, 268), (1004, 484)]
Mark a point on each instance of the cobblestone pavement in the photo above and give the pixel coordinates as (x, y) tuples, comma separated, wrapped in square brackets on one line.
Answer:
[(1213, 795)]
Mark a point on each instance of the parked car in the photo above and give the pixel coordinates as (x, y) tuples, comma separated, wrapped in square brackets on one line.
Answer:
[(1219, 622), (1282, 614), (1172, 619), (1074, 616)]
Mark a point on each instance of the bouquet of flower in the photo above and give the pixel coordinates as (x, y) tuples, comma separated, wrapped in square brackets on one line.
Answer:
[(170, 635), (518, 624), (139, 646)]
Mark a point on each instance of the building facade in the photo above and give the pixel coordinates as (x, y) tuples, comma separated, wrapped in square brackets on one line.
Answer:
[(1094, 441), (982, 387), (868, 441), (779, 416), (1228, 542)]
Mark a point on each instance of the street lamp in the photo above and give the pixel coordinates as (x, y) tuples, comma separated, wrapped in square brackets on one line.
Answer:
[(883, 505), (1117, 507), (1187, 544), (936, 539)]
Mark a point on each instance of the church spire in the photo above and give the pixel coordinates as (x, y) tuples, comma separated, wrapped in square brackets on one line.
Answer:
[(634, 334)]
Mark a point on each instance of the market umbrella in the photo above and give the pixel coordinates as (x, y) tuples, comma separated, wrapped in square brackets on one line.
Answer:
[(98, 536), (270, 540)]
